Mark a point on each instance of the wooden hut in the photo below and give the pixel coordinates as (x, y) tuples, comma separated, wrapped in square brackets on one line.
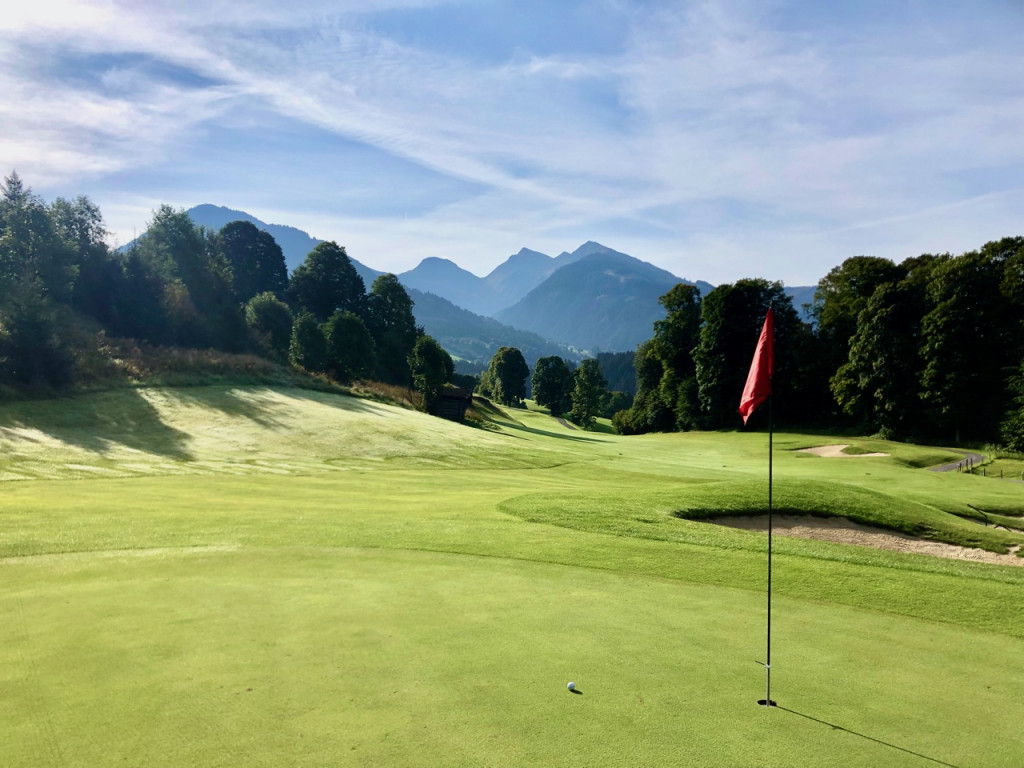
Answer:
[(453, 402)]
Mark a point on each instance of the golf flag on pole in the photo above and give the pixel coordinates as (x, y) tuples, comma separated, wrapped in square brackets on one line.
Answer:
[(758, 389), (762, 368)]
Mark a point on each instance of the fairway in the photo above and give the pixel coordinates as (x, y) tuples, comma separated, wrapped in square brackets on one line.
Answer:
[(221, 577)]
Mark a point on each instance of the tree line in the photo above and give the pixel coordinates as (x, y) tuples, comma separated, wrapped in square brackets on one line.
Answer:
[(183, 285), (578, 392), (931, 348)]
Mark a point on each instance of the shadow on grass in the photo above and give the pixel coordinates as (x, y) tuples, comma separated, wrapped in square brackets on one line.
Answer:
[(546, 433), (125, 417), (864, 736), (259, 407), (98, 422)]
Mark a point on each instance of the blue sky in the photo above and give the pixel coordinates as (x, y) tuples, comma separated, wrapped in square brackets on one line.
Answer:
[(718, 140)]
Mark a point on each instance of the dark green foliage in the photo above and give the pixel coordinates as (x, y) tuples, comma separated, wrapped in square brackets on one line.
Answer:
[(32, 349), (615, 401), (431, 368), (648, 413), (505, 378), (308, 347), (588, 391), (931, 348), (326, 282), (466, 380), (350, 351), (1012, 252), (79, 225), (840, 298), (36, 274), (198, 297), (99, 289), (551, 385), (270, 324), (393, 327), (878, 385), (1012, 428), (30, 245), (732, 318), (256, 260), (676, 335), (1008, 254), (618, 370), (666, 388), (141, 312), (965, 336), (675, 339)]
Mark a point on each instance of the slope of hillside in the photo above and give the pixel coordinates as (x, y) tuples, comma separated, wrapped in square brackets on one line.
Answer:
[(295, 243), (445, 278), (519, 274), (474, 338), (605, 301)]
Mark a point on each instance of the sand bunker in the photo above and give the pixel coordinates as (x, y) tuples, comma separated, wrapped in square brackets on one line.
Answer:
[(836, 452), (843, 531)]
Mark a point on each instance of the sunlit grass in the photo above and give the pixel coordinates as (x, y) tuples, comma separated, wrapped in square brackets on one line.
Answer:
[(227, 576)]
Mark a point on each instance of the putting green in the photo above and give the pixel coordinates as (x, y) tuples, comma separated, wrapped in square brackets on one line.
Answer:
[(385, 657), (278, 578)]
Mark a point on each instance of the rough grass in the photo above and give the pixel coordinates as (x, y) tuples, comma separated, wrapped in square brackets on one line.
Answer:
[(227, 576)]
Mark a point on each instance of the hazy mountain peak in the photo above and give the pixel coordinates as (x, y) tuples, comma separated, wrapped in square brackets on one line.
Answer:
[(295, 243), (436, 263), (443, 277), (526, 253), (591, 247)]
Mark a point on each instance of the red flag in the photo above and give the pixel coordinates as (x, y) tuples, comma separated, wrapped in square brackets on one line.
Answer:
[(762, 368)]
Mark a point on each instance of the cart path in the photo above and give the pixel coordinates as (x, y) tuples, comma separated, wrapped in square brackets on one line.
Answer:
[(972, 458)]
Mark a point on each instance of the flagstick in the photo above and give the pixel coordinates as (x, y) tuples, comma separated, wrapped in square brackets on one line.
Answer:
[(767, 700), (757, 389)]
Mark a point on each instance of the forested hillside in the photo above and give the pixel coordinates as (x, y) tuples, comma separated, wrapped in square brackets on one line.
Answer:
[(930, 348), (64, 294)]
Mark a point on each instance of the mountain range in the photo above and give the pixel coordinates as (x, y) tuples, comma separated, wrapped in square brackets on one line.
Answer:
[(574, 304)]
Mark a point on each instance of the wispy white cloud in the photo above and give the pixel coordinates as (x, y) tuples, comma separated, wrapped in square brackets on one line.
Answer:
[(725, 136)]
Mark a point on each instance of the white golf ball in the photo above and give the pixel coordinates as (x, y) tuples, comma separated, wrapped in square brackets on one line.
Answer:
[(571, 686)]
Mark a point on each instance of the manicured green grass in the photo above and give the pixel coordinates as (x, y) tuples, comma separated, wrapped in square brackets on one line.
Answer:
[(1004, 468), (280, 577)]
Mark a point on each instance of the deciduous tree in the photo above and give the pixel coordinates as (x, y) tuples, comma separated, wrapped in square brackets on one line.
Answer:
[(965, 335), (350, 351), (198, 295), (270, 323), (588, 391), (732, 316), (256, 260), (431, 368), (879, 384), (308, 347), (551, 384), (506, 376), (393, 327), (327, 282)]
